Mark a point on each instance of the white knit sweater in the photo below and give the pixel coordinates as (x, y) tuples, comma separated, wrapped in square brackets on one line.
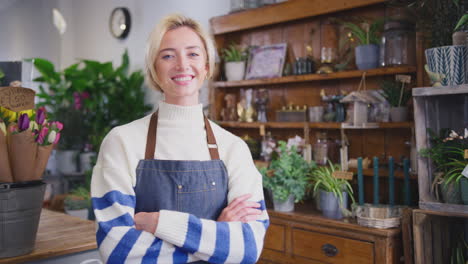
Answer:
[(180, 136)]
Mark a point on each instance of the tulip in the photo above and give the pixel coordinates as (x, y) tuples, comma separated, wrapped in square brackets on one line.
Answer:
[(13, 128), (56, 125), (3, 127), (42, 135), (8, 115), (23, 122), (40, 116), (33, 126), (51, 137), (57, 137)]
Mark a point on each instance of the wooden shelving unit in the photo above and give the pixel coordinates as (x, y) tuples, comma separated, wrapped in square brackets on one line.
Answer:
[(317, 77), (301, 125)]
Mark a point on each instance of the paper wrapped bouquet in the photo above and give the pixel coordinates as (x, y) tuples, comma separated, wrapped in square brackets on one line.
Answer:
[(26, 136)]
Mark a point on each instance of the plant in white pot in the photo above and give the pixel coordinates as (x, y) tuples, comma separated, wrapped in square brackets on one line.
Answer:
[(333, 192), (77, 202), (234, 62), (367, 39), (287, 177), (398, 97)]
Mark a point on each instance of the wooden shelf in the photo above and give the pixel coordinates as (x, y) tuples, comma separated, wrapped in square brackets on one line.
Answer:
[(283, 12), (301, 125), (317, 77)]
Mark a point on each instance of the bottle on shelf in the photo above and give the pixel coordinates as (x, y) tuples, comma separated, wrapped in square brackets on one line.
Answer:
[(320, 149)]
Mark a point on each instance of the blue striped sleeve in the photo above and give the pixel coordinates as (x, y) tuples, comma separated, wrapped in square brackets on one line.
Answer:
[(121, 251), (112, 197), (192, 240), (105, 227), (179, 256), (222, 243), (250, 247), (153, 252)]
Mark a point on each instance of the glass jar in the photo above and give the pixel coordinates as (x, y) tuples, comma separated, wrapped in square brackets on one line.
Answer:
[(398, 44), (320, 149), (237, 5)]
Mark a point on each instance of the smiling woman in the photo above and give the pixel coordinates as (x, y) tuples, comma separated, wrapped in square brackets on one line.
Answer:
[(198, 196)]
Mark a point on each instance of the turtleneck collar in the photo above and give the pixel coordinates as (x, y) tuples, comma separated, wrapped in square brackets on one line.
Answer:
[(178, 113)]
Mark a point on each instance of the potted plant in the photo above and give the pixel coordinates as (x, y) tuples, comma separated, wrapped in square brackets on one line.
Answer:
[(287, 177), (398, 97), (77, 202), (234, 62), (459, 36), (332, 192), (89, 97), (447, 155), (367, 39), (444, 57)]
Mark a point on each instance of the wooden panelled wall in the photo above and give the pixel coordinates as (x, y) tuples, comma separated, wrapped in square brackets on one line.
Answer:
[(382, 143)]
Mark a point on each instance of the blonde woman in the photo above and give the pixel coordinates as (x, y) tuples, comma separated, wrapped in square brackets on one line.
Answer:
[(173, 187)]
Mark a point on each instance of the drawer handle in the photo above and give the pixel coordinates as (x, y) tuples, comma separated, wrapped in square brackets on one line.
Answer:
[(329, 250)]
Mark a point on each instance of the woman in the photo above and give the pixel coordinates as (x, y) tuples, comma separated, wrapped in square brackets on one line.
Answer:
[(173, 187)]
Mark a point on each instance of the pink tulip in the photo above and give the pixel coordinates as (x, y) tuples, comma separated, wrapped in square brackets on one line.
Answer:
[(42, 135), (56, 125), (40, 116), (57, 137)]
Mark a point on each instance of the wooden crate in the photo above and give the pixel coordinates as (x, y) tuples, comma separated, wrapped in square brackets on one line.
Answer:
[(436, 108), (434, 235)]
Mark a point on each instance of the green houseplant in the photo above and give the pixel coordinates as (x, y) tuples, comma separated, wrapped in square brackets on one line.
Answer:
[(234, 62), (447, 155), (287, 177), (367, 37), (331, 191), (398, 97), (77, 202)]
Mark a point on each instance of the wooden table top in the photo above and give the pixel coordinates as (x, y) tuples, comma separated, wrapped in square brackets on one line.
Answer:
[(59, 234)]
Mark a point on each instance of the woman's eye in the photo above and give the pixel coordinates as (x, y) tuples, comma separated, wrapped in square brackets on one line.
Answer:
[(193, 54), (165, 57)]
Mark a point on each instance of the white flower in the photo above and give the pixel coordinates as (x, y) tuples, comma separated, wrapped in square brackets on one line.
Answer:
[(51, 137), (3, 128), (33, 125), (466, 133), (453, 134)]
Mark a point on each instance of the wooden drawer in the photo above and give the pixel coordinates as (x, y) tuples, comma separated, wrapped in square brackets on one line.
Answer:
[(275, 237), (330, 248)]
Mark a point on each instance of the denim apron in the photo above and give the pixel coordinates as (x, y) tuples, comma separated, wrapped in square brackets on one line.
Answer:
[(195, 187)]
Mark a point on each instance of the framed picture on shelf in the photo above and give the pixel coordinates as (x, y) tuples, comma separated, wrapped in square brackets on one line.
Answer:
[(266, 61)]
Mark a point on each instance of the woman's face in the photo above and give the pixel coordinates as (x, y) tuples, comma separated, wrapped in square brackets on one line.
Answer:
[(181, 66)]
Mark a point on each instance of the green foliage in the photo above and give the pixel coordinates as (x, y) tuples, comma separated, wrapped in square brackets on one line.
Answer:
[(364, 32), (290, 174), (77, 199), (90, 98), (233, 53), (391, 91), (463, 21), (2, 74), (447, 154), (322, 179)]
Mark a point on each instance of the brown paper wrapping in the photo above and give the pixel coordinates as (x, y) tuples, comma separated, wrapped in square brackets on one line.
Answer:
[(5, 169), (23, 151), (43, 153)]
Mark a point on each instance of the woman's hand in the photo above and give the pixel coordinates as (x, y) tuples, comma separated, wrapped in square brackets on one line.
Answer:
[(147, 221), (240, 210)]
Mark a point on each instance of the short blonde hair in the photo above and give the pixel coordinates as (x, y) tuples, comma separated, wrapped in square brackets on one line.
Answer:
[(168, 23)]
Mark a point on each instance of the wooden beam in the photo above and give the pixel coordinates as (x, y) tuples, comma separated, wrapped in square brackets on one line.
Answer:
[(283, 12)]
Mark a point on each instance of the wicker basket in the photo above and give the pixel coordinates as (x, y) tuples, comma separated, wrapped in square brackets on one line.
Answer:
[(379, 216)]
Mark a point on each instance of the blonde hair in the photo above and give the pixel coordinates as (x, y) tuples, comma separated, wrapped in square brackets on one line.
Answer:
[(168, 23)]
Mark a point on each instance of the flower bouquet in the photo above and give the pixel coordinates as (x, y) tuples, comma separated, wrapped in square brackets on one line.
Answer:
[(26, 136)]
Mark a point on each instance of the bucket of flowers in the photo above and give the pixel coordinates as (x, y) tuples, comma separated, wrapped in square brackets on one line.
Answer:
[(26, 141)]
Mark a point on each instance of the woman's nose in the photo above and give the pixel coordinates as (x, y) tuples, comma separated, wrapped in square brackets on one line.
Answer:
[(182, 63)]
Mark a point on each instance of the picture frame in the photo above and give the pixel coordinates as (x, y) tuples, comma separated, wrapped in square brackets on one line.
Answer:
[(266, 61)]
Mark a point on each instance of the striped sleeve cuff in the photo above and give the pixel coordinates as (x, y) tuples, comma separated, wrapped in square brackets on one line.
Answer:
[(172, 226)]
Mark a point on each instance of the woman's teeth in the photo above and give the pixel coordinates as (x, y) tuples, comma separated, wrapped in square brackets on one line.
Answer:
[(181, 79)]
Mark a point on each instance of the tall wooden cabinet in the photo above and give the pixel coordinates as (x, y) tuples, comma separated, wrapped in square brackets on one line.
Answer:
[(306, 237)]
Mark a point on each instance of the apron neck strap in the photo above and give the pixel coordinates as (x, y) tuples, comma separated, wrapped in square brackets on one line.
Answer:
[(151, 138)]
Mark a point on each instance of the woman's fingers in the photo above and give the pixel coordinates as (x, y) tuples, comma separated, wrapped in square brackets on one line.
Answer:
[(240, 208), (239, 199)]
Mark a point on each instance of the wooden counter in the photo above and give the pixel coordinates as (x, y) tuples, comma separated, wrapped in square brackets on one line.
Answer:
[(59, 234)]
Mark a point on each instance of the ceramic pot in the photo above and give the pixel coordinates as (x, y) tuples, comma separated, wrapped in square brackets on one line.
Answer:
[(399, 114), (451, 61), (329, 204), (284, 206), (367, 56), (67, 161), (234, 70), (451, 192)]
